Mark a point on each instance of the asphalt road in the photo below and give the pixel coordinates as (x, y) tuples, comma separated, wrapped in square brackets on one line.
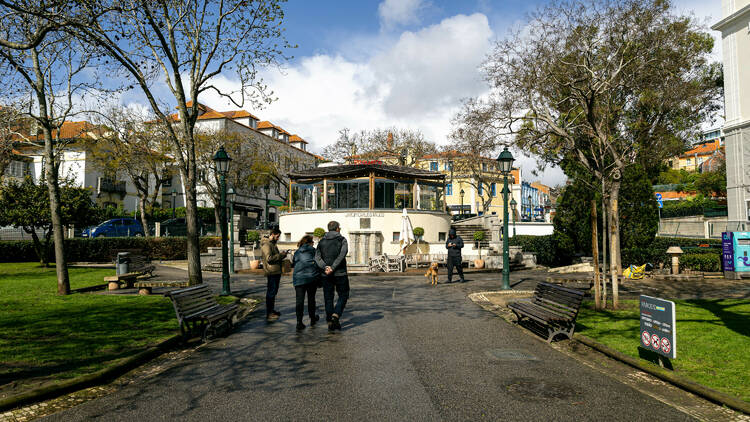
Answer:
[(407, 351)]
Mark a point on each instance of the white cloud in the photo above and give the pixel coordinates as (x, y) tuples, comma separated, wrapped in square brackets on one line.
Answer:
[(399, 12), (416, 81)]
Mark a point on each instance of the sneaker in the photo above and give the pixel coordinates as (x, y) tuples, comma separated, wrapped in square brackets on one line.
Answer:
[(335, 322), (276, 313), (331, 327), (271, 318), (314, 319), (300, 326)]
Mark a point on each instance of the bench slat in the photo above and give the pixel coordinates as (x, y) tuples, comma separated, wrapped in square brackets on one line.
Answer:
[(540, 312)]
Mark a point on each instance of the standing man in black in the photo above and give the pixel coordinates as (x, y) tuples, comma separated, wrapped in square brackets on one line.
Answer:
[(454, 244), (331, 258)]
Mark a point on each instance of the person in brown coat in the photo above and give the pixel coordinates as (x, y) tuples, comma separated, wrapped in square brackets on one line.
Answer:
[(272, 265)]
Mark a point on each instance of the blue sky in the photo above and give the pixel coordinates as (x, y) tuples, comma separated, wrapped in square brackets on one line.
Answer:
[(404, 63)]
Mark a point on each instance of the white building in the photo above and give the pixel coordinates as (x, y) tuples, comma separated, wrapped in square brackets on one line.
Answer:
[(735, 34)]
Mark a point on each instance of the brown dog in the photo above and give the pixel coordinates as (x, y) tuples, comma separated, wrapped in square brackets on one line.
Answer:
[(432, 272)]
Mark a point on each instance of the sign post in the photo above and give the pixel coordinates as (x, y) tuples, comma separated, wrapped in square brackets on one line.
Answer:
[(658, 329)]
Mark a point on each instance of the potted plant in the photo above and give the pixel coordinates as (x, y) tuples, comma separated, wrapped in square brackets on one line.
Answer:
[(478, 238), (418, 233), (253, 237), (319, 232)]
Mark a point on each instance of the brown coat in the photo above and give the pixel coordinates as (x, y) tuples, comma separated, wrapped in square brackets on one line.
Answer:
[(272, 258)]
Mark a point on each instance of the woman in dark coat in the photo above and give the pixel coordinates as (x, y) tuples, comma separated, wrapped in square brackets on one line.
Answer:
[(305, 279)]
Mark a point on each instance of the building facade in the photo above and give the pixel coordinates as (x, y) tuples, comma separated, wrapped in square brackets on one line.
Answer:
[(735, 34)]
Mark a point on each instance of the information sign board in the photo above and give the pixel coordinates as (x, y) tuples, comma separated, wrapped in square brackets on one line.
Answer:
[(658, 329), (727, 251), (275, 203)]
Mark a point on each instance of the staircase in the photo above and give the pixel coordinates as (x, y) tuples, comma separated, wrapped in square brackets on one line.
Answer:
[(213, 266), (466, 231)]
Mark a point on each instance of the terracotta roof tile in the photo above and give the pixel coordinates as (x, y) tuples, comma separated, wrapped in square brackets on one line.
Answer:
[(295, 138)]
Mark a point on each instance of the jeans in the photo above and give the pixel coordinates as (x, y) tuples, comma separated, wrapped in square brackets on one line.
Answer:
[(341, 285), (308, 289), (271, 290), (455, 261)]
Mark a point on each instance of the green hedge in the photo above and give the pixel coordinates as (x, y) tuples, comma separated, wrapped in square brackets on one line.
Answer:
[(103, 249), (552, 252), (710, 262)]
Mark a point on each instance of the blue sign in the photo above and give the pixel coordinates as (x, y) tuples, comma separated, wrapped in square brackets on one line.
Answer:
[(658, 197), (660, 204), (727, 251)]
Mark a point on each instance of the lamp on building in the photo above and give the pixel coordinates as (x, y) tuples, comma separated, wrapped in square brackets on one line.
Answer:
[(461, 194), (230, 197), (505, 164), (174, 200), (513, 205), (221, 163)]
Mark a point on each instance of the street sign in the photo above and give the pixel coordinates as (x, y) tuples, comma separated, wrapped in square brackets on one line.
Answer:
[(275, 203), (658, 197), (660, 204), (658, 329)]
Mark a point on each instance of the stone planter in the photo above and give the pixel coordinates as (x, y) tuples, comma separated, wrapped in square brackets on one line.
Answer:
[(479, 263), (254, 264)]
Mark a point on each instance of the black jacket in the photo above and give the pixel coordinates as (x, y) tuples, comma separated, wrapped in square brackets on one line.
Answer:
[(332, 250), (454, 251)]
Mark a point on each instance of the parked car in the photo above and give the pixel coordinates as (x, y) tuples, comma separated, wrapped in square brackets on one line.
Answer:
[(116, 227), (177, 227)]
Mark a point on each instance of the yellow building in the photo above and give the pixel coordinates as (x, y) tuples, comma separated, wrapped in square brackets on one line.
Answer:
[(479, 179)]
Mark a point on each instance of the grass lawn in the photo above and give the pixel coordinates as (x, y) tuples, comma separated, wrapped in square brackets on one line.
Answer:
[(713, 339), (43, 335)]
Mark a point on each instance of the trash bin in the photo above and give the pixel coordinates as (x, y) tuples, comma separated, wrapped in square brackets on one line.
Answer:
[(123, 261)]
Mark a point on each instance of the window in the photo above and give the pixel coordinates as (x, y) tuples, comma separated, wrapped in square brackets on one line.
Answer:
[(287, 237), (441, 236), (350, 194), (449, 189), (16, 169), (480, 190), (484, 166), (430, 197), (493, 191), (396, 237), (688, 161), (433, 166), (391, 194)]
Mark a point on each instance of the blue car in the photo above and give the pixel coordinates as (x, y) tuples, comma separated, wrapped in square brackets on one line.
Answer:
[(116, 227)]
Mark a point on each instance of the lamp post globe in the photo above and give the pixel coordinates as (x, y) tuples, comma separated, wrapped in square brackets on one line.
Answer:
[(461, 194), (505, 164), (221, 162), (513, 205)]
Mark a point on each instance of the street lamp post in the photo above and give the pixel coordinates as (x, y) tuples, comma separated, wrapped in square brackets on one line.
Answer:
[(221, 162), (513, 204), (505, 161), (230, 197), (174, 198), (461, 194), (266, 188), (531, 208)]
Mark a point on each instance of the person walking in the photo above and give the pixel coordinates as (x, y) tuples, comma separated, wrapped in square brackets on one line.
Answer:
[(331, 259), (272, 260), (305, 280), (454, 244)]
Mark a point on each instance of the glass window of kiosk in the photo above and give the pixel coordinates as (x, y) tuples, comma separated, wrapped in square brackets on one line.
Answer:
[(393, 194)]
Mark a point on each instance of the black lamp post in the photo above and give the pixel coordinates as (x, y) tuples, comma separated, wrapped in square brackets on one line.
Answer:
[(174, 199), (505, 161), (221, 163), (513, 204), (531, 208), (267, 189), (461, 194), (230, 197)]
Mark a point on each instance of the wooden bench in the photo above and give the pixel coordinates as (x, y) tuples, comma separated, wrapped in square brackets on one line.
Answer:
[(553, 307), (197, 310), (144, 287)]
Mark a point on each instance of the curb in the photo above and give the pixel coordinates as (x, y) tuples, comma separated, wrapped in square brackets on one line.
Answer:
[(56, 389), (665, 375)]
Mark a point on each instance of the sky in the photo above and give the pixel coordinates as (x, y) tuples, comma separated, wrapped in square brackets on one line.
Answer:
[(404, 63)]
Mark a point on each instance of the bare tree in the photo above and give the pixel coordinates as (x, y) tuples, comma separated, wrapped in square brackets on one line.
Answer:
[(55, 71), (601, 82), (186, 45), (11, 130), (137, 147), (406, 146)]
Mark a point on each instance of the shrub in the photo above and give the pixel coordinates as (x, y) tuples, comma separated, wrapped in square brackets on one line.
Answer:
[(253, 236), (103, 249), (549, 250), (708, 262), (479, 235), (319, 232), (418, 232)]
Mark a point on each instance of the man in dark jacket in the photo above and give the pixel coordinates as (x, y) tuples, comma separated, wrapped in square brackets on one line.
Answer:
[(454, 244), (331, 258), (272, 263)]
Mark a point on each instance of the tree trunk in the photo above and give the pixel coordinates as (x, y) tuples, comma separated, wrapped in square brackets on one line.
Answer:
[(189, 174), (595, 256), (144, 217), (605, 237), (53, 186), (40, 251), (614, 241), (217, 217)]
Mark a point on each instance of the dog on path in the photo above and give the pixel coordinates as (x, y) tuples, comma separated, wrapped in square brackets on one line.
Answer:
[(432, 273)]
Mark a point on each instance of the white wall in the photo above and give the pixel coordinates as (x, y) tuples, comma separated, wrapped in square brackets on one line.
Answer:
[(531, 228)]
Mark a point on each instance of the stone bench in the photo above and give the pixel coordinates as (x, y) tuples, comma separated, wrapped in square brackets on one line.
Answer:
[(145, 287)]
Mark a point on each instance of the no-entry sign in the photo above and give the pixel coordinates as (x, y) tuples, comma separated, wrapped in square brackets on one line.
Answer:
[(658, 326)]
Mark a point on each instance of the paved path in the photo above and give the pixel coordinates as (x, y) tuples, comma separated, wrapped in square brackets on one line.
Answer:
[(408, 351)]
